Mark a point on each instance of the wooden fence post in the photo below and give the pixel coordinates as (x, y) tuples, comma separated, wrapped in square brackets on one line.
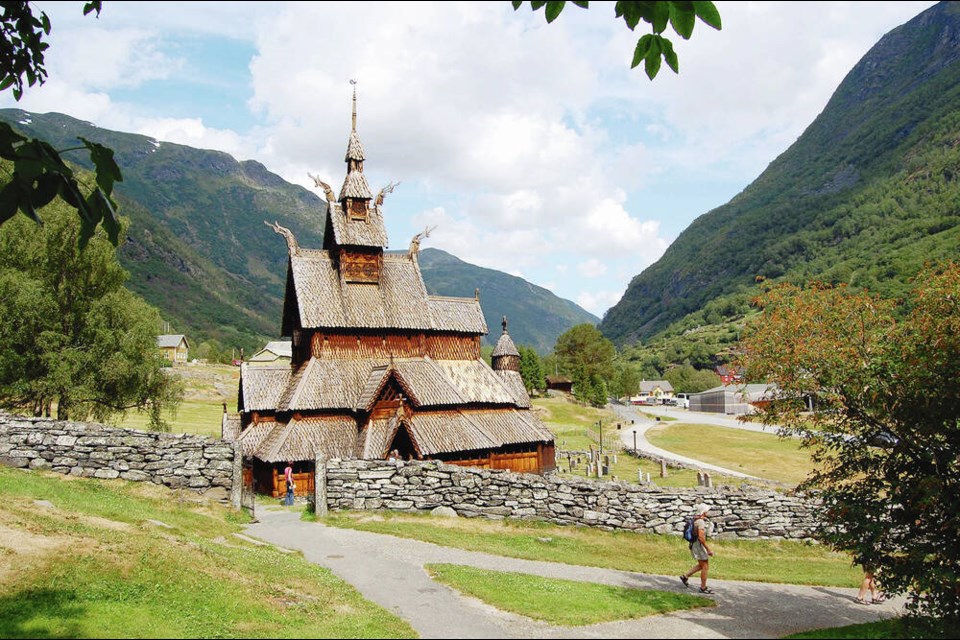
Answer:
[(236, 489), (320, 486)]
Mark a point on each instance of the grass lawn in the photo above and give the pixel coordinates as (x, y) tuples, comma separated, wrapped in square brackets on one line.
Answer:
[(207, 387), (560, 602), (569, 421), (780, 561), (89, 564), (894, 628), (202, 418), (764, 455)]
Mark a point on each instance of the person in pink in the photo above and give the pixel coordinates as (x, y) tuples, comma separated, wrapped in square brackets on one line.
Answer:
[(288, 475)]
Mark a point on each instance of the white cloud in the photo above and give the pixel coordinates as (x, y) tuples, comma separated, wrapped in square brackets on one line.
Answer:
[(98, 58), (533, 146), (597, 302), (592, 268)]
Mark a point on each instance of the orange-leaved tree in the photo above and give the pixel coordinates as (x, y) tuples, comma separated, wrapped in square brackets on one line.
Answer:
[(873, 387)]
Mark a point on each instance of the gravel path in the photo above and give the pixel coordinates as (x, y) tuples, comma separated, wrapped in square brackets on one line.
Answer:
[(389, 571)]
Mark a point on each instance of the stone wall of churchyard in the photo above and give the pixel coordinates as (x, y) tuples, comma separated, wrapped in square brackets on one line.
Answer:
[(409, 486), (206, 464), (93, 450)]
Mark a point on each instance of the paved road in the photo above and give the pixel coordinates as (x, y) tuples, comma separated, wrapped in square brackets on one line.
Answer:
[(641, 424), (389, 571)]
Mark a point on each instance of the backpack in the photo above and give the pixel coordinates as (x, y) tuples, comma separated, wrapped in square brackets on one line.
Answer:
[(689, 533)]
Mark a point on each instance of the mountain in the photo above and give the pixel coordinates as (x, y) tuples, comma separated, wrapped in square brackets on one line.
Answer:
[(197, 248), (866, 195), (535, 315)]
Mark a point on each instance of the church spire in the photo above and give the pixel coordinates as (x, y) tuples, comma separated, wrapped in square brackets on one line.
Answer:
[(354, 127), (355, 193)]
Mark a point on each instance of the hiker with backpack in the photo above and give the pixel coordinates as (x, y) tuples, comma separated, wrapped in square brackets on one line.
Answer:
[(695, 532)]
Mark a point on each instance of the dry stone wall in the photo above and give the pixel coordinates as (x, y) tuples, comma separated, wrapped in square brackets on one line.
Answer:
[(97, 451), (205, 464), (416, 486)]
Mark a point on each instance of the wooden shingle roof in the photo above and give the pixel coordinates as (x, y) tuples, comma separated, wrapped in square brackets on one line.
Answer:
[(326, 384), (262, 386), (369, 232), (322, 384), (253, 436), (505, 347), (468, 430), (513, 381), (354, 148), (400, 301), (375, 437), (446, 432), (332, 436)]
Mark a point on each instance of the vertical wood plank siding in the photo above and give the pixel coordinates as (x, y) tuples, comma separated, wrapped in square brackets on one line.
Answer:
[(398, 345)]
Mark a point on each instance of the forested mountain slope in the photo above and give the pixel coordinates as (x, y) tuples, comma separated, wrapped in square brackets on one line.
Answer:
[(866, 195), (197, 248)]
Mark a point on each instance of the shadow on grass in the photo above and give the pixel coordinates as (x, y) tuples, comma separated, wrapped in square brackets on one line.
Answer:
[(41, 613)]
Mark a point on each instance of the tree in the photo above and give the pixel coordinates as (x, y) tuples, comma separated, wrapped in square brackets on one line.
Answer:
[(531, 370), (687, 379), (626, 382), (39, 174), (883, 382), (652, 49), (71, 335), (583, 351), (598, 391)]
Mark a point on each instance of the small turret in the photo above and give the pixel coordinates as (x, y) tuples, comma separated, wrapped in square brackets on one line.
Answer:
[(505, 355)]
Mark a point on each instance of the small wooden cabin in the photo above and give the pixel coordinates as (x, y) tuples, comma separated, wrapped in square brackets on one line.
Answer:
[(174, 348), (377, 364)]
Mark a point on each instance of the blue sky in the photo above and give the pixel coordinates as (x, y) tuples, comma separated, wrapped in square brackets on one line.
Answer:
[(533, 148)]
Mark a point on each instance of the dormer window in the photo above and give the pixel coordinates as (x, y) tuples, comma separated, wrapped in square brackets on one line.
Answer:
[(358, 209)]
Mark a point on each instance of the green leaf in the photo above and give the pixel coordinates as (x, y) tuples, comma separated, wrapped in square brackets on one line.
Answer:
[(48, 185), (9, 202), (659, 16), (640, 53), (707, 12), (630, 12), (652, 66), (537, 4), (9, 141), (45, 23), (682, 21), (517, 4), (94, 5), (554, 7), (583, 4), (670, 56), (652, 61), (107, 169), (70, 192), (110, 222)]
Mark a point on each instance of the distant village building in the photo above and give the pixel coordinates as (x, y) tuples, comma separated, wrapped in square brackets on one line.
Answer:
[(377, 364), (277, 352), (652, 391), (560, 383), (732, 399), (729, 374), (174, 347)]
